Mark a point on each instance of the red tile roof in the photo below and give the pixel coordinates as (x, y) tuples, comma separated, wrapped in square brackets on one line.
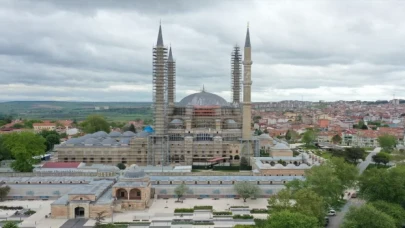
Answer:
[(61, 165)]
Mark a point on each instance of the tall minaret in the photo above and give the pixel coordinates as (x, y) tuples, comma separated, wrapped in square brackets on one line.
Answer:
[(236, 65), (159, 91), (247, 83), (171, 79)]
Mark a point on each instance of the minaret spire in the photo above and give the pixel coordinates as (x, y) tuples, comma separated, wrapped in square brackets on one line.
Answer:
[(170, 54), (160, 37), (171, 79), (247, 84)]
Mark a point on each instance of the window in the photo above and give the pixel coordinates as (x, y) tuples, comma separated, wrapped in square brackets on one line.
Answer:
[(84, 159), (91, 159), (81, 198), (102, 160), (138, 193), (65, 159), (73, 159), (123, 160), (109, 160)]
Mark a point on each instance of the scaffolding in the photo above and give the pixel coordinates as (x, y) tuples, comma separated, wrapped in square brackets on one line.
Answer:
[(171, 79), (236, 74), (159, 89), (249, 148), (158, 150)]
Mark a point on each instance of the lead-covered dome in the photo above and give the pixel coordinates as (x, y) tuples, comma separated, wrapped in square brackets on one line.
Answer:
[(203, 99)]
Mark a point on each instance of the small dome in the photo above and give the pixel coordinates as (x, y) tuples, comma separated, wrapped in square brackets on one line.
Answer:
[(115, 134), (91, 141), (124, 141), (108, 141), (84, 137), (264, 136), (134, 172), (281, 146), (203, 99), (74, 141), (99, 134), (128, 134), (176, 121), (143, 134)]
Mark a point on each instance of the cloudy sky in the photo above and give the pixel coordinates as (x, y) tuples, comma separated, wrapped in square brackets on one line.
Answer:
[(101, 50)]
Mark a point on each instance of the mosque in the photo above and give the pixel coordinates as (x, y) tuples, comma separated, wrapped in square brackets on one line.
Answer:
[(202, 127)]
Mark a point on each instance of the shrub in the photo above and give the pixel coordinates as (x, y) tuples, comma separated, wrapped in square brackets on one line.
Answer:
[(206, 207), (29, 212), (11, 208), (239, 206), (242, 217), (203, 223), (183, 210), (181, 222), (222, 213), (259, 211)]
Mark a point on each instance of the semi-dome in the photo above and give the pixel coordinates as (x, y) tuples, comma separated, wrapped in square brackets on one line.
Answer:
[(91, 141), (134, 172), (108, 141), (203, 99), (281, 146)]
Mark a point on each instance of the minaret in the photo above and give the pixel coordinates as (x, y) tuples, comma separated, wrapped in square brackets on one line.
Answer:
[(159, 90), (247, 84), (236, 66), (171, 79)]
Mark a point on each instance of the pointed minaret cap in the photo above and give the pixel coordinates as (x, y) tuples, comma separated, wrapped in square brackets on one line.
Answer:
[(160, 37), (170, 54), (247, 41)]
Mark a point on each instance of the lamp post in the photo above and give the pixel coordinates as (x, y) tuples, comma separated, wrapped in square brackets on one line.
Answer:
[(112, 214)]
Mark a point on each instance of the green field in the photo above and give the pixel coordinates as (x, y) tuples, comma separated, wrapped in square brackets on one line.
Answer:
[(52, 110)]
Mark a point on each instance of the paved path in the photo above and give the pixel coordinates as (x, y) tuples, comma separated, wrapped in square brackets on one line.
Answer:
[(336, 221), (74, 223)]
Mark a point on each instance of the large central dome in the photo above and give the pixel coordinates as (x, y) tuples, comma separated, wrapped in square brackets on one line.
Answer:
[(203, 99)]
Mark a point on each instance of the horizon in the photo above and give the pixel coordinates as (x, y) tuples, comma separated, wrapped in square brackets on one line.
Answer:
[(316, 50)]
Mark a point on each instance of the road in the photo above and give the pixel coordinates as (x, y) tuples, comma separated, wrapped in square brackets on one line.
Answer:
[(337, 220)]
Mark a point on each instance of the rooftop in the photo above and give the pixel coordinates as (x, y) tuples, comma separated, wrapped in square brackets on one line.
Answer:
[(61, 165)]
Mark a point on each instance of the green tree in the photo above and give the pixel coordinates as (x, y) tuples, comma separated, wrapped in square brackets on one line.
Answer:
[(347, 173), (387, 142), (309, 137), (246, 190), (4, 190), (383, 184), (51, 141), (336, 139), (18, 126), (94, 123), (281, 201), (367, 216), (393, 210), (287, 219), (354, 154), (10, 224), (100, 217), (121, 166), (29, 123), (291, 135), (382, 158), (5, 153), (24, 146), (132, 128), (180, 190), (309, 203)]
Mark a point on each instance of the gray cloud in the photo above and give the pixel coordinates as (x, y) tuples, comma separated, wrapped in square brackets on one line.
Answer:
[(102, 50)]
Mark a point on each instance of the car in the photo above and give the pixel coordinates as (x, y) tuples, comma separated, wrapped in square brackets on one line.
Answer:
[(331, 212), (354, 195), (326, 221)]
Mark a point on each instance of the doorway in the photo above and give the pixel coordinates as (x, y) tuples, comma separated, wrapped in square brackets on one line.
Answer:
[(79, 212)]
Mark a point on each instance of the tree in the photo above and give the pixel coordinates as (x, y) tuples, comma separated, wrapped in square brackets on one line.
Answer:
[(287, 219), (382, 158), (246, 190), (4, 192), (309, 137), (383, 184), (180, 190), (100, 217), (291, 135), (281, 201), (132, 128), (24, 146), (10, 224), (367, 216), (387, 142), (94, 123), (394, 210), (307, 202), (354, 154), (336, 139), (52, 138), (5, 153), (121, 166), (347, 173)]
